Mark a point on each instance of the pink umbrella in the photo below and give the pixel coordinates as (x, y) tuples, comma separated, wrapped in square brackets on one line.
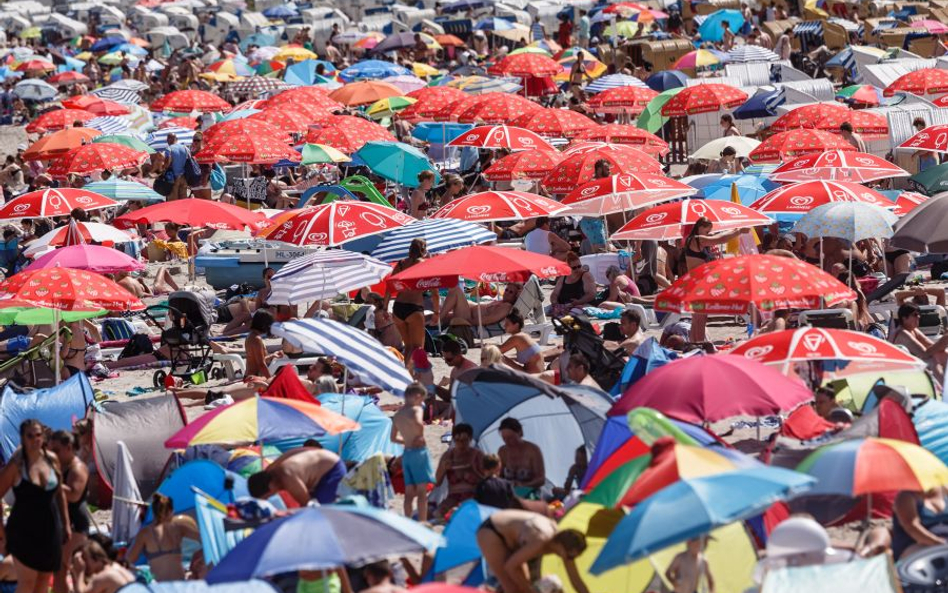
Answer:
[(690, 390), (94, 258)]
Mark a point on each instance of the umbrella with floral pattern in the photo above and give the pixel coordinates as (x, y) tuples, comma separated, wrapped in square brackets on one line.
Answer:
[(557, 123), (704, 98), (454, 108), (580, 165), (625, 134), (68, 289), (348, 134), (188, 101), (255, 149), (59, 119), (242, 127), (523, 65), (526, 164), (497, 108), (96, 157), (828, 117), (624, 99), (431, 100), (284, 118), (795, 143), (927, 81)]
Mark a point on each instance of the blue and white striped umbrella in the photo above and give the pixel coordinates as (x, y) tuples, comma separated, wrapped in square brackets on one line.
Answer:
[(744, 54), (614, 81), (109, 124), (441, 234), (119, 189), (119, 95), (159, 138), (363, 356), (323, 275)]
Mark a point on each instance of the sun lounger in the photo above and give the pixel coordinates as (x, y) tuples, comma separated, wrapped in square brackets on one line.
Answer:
[(530, 305), (934, 320)]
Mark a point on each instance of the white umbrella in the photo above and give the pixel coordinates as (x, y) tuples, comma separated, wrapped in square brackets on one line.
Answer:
[(35, 90), (100, 233), (325, 274), (712, 150)]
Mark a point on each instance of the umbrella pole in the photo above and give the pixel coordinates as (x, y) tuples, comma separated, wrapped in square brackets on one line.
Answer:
[(56, 345), (480, 321), (345, 381)]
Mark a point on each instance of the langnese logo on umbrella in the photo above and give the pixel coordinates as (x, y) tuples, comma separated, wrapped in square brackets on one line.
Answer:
[(656, 218), (758, 352), (22, 207), (589, 191), (801, 201), (864, 348), (478, 210), (735, 212), (317, 237), (864, 161)]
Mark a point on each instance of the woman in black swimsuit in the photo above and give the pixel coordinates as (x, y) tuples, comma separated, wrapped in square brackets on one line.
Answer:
[(38, 523), (75, 484), (697, 251), (408, 310)]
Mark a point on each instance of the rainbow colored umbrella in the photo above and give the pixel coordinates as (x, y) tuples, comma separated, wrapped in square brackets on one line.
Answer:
[(594, 68), (700, 58), (390, 105), (232, 67), (872, 465), (320, 154), (258, 420), (861, 93), (250, 460)]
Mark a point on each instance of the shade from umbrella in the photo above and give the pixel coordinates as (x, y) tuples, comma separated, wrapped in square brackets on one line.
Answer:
[(53, 202), (836, 165), (783, 146), (691, 508), (325, 274), (817, 343), (703, 98), (480, 263), (674, 220), (712, 150), (440, 235), (730, 286), (700, 58), (193, 213), (333, 224), (323, 538), (924, 229), (852, 221), (58, 119), (579, 166), (58, 143), (68, 289), (35, 90), (873, 465), (396, 161), (103, 260), (624, 192), (509, 137), (926, 81), (363, 356), (119, 189), (797, 198), (526, 164), (499, 205), (96, 157)]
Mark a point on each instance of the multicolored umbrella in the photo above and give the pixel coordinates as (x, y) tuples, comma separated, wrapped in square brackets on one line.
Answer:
[(59, 143), (674, 221), (933, 138), (333, 224), (188, 101), (625, 134), (852, 221), (861, 93), (396, 161), (730, 286), (232, 67), (492, 206), (313, 154), (783, 146), (829, 117), (94, 258), (836, 165), (817, 343), (96, 157), (700, 58), (497, 108), (258, 420), (797, 198), (526, 164), (524, 65), (625, 99), (58, 119), (257, 85), (67, 289), (508, 137), (194, 213), (703, 98), (556, 123), (480, 263), (927, 81), (76, 233), (295, 53), (580, 163), (385, 108), (132, 142), (592, 67), (624, 192), (53, 202), (873, 465)]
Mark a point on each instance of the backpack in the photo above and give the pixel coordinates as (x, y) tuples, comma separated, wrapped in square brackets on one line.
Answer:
[(192, 172), (137, 345)]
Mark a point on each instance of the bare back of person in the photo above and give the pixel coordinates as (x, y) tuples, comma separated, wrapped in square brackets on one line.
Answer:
[(409, 422), (518, 528), (308, 464), (688, 572), (112, 578)]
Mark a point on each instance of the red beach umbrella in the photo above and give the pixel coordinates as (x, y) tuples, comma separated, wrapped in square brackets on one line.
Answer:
[(526, 164), (54, 202), (623, 192), (510, 137), (194, 213), (837, 165), (704, 98), (499, 205), (95, 157), (558, 123), (673, 221), (334, 223), (797, 198), (783, 146), (190, 100), (59, 119)]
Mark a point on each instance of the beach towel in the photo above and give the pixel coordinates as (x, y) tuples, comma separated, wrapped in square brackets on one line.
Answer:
[(286, 384), (371, 480)]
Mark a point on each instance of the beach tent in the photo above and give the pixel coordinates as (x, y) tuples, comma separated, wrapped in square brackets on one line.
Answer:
[(931, 424), (254, 586), (461, 549), (730, 554), (216, 540), (143, 424), (57, 407), (853, 392), (558, 419), (869, 575)]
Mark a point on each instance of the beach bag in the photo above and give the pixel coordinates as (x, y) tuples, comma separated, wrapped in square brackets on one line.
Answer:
[(192, 172), (164, 184), (137, 345), (218, 178)]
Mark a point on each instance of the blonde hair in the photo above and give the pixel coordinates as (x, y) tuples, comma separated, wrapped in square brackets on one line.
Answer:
[(491, 354)]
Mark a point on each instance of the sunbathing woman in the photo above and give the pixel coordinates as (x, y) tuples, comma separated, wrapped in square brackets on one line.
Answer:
[(908, 335), (457, 310), (408, 308), (529, 357)]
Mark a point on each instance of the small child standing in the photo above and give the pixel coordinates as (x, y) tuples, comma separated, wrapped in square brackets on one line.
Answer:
[(688, 567), (408, 429)]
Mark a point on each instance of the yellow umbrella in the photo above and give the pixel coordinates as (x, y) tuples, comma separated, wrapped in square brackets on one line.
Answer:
[(84, 56), (386, 107), (812, 7), (622, 29), (297, 54), (424, 70), (31, 33)]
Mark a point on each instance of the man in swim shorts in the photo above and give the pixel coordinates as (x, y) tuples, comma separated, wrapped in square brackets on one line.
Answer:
[(307, 473)]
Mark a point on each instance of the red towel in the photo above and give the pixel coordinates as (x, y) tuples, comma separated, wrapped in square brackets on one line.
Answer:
[(286, 384)]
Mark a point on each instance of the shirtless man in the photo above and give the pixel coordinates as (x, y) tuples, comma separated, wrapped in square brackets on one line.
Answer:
[(688, 567), (94, 572), (408, 429), (379, 577), (456, 307), (511, 539), (306, 473), (451, 352)]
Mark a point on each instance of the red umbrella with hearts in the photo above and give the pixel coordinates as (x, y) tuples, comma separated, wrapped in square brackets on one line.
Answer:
[(837, 165), (624, 99), (348, 134), (66, 289), (557, 123), (431, 100), (95, 157), (53, 202), (783, 146), (454, 108), (730, 286), (190, 100), (500, 205), (59, 119), (580, 165), (526, 164), (284, 118), (241, 127), (308, 96), (524, 65), (497, 108), (704, 98), (334, 223), (799, 198), (625, 134), (927, 81), (674, 221), (509, 137), (622, 192), (185, 121), (828, 117), (248, 148), (934, 138)]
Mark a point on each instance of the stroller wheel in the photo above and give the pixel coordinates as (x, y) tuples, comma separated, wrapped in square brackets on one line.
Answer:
[(158, 380)]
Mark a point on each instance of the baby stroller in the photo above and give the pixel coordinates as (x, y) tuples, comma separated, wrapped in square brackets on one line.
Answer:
[(580, 336), (190, 315)]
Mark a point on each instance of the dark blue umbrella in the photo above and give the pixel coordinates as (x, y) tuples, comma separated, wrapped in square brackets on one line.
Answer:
[(323, 538), (107, 43), (762, 104), (465, 5), (666, 79)]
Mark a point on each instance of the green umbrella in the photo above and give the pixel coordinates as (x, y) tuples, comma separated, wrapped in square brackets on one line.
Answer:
[(125, 140), (314, 154), (651, 119), (396, 161), (43, 315), (931, 180)]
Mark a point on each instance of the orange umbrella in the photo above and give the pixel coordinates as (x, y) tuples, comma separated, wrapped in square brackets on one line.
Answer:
[(59, 143), (35, 66), (449, 41), (365, 92)]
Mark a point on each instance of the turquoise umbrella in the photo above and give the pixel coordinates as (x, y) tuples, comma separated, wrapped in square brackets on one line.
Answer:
[(118, 189), (396, 161), (712, 28)]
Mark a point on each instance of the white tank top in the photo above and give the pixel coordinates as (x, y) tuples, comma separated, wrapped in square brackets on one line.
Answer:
[(537, 241)]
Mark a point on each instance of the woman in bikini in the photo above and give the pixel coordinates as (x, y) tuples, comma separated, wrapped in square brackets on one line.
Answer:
[(521, 460), (908, 335), (160, 541), (511, 542), (408, 309), (529, 357)]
